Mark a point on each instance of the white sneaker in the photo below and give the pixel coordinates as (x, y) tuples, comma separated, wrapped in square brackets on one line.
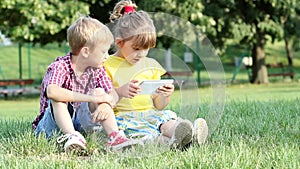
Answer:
[(182, 135), (75, 142), (200, 131)]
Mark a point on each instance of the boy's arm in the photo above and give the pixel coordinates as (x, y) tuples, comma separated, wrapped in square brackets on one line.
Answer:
[(115, 97), (59, 94), (102, 112)]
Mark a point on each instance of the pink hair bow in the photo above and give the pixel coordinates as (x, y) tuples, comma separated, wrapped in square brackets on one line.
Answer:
[(128, 9)]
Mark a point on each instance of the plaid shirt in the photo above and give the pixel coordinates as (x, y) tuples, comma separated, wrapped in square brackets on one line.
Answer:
[(61, 73)]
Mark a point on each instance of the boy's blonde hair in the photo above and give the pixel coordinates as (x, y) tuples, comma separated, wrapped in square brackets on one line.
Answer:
[(87, 31), (134, 25)]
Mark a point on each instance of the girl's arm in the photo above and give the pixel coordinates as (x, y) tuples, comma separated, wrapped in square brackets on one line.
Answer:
[(162, 98), (129, 90)]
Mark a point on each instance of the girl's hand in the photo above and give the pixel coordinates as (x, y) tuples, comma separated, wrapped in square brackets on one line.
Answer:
[(129, 90), (166, 90), (102, 112)]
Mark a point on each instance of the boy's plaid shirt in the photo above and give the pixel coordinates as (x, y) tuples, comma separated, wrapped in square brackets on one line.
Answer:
[(60, 72)]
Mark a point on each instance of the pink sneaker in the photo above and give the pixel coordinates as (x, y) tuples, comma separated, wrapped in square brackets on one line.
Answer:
[(75, 142), (118, 140)]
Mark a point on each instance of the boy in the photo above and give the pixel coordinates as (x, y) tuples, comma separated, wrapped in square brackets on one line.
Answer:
[(72, 97)]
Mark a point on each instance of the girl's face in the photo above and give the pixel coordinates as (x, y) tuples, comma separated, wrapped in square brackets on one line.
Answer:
[(130, 53)]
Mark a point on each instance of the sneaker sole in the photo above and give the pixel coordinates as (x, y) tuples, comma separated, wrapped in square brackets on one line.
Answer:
[(125, 145), (75, 148), (183, 135), (201, 131)]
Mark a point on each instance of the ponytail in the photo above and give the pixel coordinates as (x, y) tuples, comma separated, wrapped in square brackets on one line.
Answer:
[(130, 24), (123, 7)]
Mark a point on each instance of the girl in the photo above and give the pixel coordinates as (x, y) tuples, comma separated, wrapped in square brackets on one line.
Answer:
[(143, 115)]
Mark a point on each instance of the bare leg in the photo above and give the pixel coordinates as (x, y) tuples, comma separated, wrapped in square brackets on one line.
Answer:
[(162, 139), (110, 123), (62, 117), (167, 129)]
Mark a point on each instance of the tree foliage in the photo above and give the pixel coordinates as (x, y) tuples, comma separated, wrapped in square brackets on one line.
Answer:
[(291, 26), (245, 22), (39, 21), (186, 10), (252, 23)]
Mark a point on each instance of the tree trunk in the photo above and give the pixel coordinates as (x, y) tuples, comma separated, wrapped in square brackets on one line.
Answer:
[(259, 69), (288, 51)]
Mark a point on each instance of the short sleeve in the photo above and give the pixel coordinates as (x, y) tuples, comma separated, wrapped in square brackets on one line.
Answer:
[(158, 70), (108, 72), (104, 80)]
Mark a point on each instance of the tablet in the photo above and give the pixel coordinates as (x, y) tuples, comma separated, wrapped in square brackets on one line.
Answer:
[(150, 86)]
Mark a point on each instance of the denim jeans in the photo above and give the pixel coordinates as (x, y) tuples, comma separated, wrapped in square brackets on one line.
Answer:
[(81, 118)]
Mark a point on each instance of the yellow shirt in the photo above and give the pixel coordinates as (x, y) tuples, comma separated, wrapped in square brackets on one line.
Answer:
[(121, 72)]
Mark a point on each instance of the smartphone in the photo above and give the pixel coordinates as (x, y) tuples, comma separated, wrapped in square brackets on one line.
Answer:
[(150, 86)]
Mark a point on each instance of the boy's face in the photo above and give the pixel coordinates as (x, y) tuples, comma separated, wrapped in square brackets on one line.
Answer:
[(132, 54), (98, 55)]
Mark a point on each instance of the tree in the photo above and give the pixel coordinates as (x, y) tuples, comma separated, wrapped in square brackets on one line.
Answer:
[(189, 10), (39, 21), (291, 26), (252, 23)]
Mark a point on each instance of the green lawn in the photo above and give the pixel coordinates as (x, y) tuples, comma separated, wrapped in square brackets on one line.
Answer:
[(259, 128), (40, 58)]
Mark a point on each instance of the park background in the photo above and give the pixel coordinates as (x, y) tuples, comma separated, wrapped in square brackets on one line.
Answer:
[(259, 127)]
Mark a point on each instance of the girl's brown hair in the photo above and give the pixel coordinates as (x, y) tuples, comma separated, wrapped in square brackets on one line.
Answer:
[(134, 25)]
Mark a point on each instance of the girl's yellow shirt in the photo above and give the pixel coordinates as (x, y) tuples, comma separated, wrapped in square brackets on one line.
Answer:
[(121, 72)]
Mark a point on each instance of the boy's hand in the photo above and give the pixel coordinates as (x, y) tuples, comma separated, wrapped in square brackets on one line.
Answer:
[(102, 112), (100, 96), (166, 90), (129, 90)]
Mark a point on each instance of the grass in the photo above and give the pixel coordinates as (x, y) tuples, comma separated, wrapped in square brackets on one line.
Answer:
[(40, 57), (259, 128)]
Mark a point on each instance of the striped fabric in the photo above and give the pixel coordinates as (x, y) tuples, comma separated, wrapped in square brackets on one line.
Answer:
[(143, 124)]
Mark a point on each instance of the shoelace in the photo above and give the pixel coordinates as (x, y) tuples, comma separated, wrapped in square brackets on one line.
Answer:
[(62, 138), (142, 136), (134, 135)]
